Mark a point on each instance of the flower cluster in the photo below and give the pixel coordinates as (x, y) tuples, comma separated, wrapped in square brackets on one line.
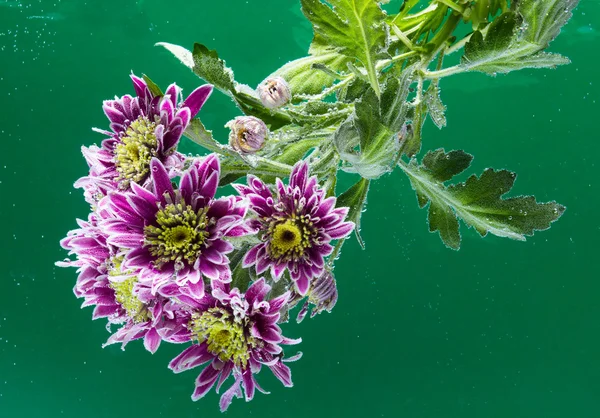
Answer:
[(155, 255)]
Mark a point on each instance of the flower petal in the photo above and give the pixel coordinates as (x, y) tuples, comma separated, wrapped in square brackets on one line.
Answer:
[(197, 98), (152, 340)]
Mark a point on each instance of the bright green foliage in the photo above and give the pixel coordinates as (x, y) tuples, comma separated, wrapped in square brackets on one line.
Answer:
[(503, 49), (373, 129), (478, 201), (544, 18), (354, 28), (211, 68), (361, 96), (302, 77), (154, 89)]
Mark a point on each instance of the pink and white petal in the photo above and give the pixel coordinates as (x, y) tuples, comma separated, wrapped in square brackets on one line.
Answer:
[(161, 181), (197, 98), (341, 231), (257, 291), (182, 361), (250, 257), (283, 373), (302, 282), (299, 175), (227, 397), (152, 340), (249, 384)]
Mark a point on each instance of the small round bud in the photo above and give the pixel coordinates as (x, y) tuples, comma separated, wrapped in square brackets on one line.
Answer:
[(274, 92), (248, 134)]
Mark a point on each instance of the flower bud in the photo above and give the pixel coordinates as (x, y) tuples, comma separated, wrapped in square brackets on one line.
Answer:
[(274, 92), (248, 134), (322, 294)]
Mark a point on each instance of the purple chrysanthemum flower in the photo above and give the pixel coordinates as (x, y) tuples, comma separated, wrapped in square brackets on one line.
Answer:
[(172, 235), (142, 128), (116, 296), (236, 334), (93, 254), (296, 226)]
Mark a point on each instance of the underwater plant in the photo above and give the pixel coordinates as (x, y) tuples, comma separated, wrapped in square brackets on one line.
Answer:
[(164, 259)]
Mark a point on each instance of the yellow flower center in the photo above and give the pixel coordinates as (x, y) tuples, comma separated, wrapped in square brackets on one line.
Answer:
[(224, 335), (124, 296), (179, 236), (286, 237), (289, 239), (134, 152)]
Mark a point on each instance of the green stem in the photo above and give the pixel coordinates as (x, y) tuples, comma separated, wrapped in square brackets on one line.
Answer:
[(460, 44), (403, 38), (441, 37), (452, 5), (326, 92), (403, 12), (373, 80), (408, 147), (260, 171), (335, 253), (384, 63), (325, 160), (456, 69), (379, 66)]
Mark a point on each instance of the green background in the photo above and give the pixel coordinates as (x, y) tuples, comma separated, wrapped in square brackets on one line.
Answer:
[(498, 329)]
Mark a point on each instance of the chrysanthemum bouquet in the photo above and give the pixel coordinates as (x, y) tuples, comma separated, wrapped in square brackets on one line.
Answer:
[(164, 259)]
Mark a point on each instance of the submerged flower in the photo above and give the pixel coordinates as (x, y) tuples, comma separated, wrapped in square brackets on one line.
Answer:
[(236, 334), (274, 92), (248, 134), (322, 294), (93, 257), (178, 234), (142, 128), (114, 295), (295, 225)]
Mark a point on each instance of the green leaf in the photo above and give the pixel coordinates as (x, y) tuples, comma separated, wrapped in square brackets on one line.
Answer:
[(208, 66), (443, 166), (179, 52), (318, 114), (279, 287), (353, 91), (304, 79), (355, 28), (233, 168), (240, 277), (355, 198), (154, 89), (502, 50), (203, 137), (294, 152), (478, 202), (368, 139), (544, 18)]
